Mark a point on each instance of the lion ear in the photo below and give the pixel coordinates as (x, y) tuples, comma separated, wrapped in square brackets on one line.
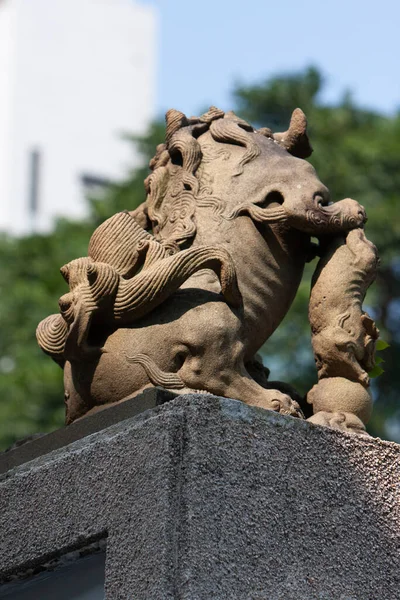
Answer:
[(295, 139)]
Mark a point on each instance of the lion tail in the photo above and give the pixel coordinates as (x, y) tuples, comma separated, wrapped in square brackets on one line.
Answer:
[(155, 374)]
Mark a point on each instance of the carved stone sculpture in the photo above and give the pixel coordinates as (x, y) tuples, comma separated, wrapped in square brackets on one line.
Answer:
[(183, 291), (343, 335)]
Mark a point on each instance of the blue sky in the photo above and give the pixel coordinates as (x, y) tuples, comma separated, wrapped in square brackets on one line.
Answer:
[(207, 46)]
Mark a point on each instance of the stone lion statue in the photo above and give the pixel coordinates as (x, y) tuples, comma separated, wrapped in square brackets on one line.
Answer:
[(183, 291)]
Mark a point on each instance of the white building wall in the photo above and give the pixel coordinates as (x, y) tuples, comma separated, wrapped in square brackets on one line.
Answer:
[(7, 73), (83, 73)]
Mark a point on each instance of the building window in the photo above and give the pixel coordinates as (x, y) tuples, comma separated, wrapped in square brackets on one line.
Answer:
[(34, 182), (79, 579)]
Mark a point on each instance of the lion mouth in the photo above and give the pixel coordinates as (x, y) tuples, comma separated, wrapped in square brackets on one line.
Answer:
[(353, 216)]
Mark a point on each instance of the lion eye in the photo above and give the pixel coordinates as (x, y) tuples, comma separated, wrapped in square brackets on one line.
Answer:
[(272, 200)]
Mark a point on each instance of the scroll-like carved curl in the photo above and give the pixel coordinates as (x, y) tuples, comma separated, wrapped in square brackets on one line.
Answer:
[(51, 334), (230, 131), (120, 248), (258, 213), (98, 288)]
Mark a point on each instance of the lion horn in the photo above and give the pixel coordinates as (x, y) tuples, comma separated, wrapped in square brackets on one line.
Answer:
[(295, 139)]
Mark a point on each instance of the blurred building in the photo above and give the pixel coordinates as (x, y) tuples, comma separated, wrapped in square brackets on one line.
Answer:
[(75, 75)]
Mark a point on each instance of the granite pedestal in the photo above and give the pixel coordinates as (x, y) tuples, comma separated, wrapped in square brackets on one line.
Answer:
[(206, 498)]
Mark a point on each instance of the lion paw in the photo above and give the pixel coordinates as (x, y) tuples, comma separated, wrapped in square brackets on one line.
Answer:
[(285, 405)]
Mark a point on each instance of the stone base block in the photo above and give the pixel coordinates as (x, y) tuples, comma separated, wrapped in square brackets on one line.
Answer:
[(206, 498)]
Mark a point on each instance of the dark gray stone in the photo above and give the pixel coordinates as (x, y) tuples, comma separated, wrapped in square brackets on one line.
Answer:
[(41, 444), (207, 498), (82, 579)]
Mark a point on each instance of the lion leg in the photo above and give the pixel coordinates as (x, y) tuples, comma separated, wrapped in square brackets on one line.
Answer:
[(244, 388), (240, 386), (202, 372), (233, 381)]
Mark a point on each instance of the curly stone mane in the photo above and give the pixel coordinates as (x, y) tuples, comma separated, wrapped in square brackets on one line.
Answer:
[(176, 185)]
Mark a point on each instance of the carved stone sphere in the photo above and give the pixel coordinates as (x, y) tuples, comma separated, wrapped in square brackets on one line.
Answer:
[(341, 395)]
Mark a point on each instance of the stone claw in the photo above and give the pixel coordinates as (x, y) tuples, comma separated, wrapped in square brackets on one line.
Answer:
[(285, 405)]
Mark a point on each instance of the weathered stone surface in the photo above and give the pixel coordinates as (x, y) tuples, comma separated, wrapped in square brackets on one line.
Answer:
[(183, 291), (206, 497), (343, 335)]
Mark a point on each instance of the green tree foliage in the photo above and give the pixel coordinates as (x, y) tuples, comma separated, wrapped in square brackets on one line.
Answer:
[(31, 387), (356, 154)]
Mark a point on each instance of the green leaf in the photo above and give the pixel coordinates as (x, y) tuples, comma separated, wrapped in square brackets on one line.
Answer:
[(376, 371), (382, 345)]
